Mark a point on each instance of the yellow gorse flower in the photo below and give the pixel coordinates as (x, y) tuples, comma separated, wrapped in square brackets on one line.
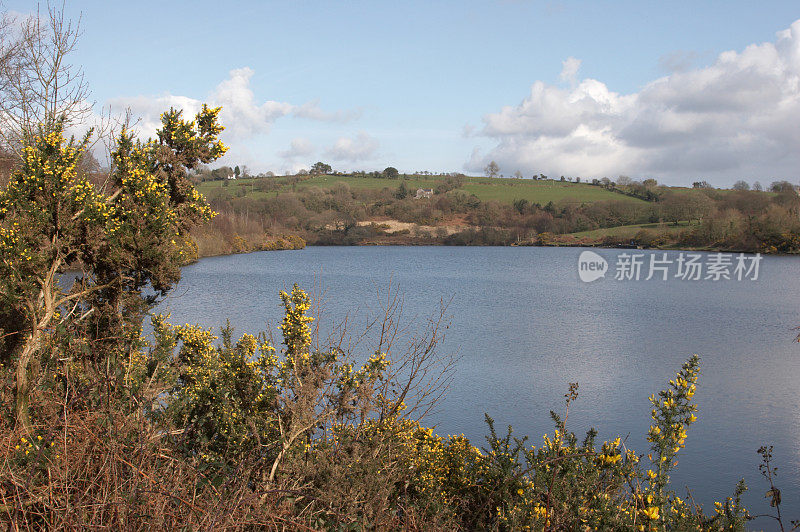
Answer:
[(651, 513)]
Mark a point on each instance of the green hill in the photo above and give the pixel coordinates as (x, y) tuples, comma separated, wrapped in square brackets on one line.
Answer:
[(503, 190)]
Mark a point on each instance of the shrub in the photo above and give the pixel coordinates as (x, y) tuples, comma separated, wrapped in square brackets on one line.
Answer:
[(200, 431)]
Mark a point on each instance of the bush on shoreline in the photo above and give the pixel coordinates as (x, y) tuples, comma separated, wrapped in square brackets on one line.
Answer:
[(192, 431)]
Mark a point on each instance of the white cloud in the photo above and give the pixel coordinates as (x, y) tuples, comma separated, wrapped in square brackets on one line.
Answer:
[(569, 69), (299, 147), (735, 118), (146, 110), (361, 148), (242, 114), (246, 120)]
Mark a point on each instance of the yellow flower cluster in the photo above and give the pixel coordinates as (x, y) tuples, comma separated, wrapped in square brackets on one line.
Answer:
[(610, 454), (672, 411), (10, 239), (295, 325), (27, 445)]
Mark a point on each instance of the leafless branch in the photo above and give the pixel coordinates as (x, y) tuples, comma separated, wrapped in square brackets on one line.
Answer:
[(39, 87)]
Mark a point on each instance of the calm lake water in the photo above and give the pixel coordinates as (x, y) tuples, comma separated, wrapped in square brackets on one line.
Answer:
[(524, 326)]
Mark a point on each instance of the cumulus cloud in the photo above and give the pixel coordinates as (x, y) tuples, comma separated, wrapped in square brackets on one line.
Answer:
[(361, 148), (735, 118), (242, 114), (569, 69), (299, 147), (146, 110), (240, 111)]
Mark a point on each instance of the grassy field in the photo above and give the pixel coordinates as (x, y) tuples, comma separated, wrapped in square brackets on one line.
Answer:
[(486, 189), (542, 192), (717, 191), (629, 231), (327, 181), (246, 187)]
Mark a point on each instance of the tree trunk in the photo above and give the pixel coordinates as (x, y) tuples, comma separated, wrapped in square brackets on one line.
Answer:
[(42, 313), (29, 349)]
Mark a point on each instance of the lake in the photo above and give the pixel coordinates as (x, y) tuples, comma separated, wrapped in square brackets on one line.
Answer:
[(524, 326)]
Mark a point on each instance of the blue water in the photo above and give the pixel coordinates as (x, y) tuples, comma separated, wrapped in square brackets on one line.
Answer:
[(524, 326)]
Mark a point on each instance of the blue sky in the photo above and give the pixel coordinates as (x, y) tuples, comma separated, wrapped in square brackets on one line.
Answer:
[(448, 86)]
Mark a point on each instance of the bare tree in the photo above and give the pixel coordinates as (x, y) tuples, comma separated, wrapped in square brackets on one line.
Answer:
[(624, 181), (491, 169), (38, 84)]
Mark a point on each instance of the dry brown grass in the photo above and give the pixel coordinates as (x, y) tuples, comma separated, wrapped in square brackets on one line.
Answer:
[(231, 233), (106, 470)]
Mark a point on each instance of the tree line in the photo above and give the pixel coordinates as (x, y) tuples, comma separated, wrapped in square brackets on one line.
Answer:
[(744, 220)]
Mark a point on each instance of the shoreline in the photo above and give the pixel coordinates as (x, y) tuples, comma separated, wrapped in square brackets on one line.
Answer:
[(521, 245)]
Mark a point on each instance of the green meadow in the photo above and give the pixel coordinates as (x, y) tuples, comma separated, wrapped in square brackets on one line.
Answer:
[(629, 231), (503, 190)]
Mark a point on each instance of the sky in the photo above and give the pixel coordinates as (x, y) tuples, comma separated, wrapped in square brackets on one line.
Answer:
[(679, 91)]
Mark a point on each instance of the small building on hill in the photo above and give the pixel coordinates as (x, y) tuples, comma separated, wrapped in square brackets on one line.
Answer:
[(424, 193)]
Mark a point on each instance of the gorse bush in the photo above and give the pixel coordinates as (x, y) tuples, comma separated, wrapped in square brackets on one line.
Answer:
[(303, 435), (126, 238), (241, 400)]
